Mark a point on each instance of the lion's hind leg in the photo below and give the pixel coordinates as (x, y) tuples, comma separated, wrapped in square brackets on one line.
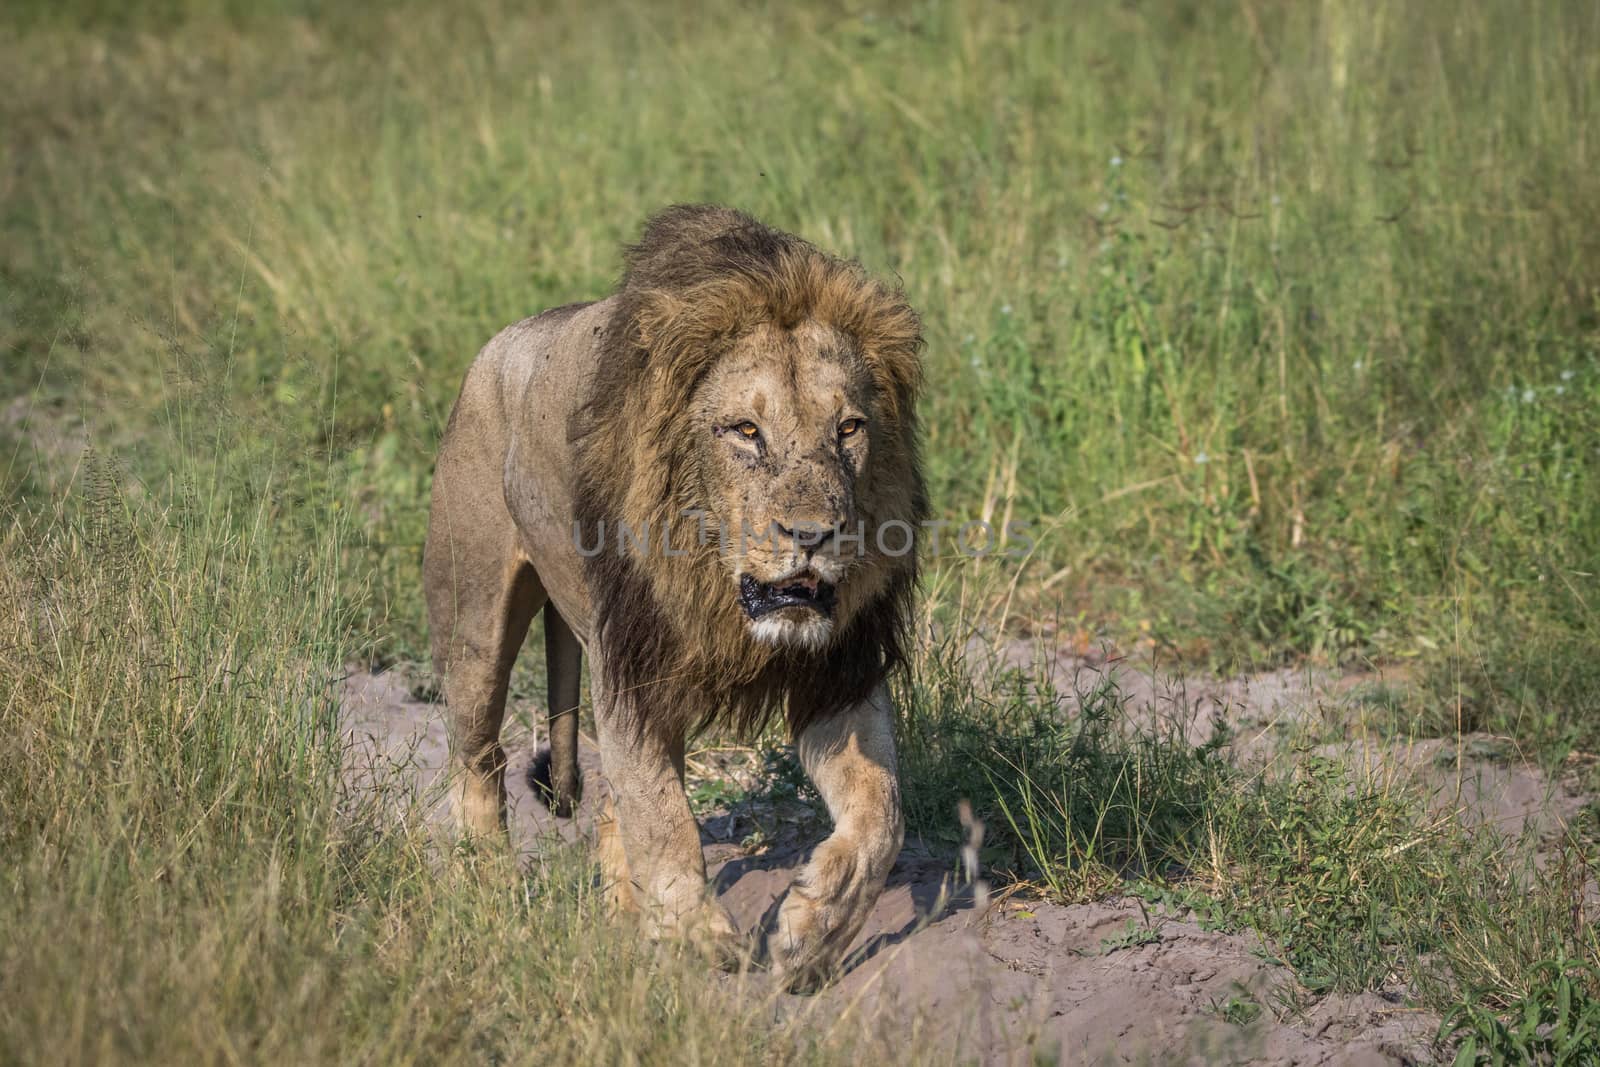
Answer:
[(476, 675), (482, 595)]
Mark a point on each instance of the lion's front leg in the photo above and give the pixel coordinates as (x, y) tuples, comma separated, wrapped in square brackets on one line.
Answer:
[(851, 760), (661, 859)]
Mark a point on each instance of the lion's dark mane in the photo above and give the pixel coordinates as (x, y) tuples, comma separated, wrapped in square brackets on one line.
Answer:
[(717, 272)]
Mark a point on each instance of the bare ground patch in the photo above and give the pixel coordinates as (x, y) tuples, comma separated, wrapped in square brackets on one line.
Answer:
[(1007, 979)]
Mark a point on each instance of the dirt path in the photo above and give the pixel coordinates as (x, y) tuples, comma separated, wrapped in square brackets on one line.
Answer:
[(1028, 982), (1009, 982)]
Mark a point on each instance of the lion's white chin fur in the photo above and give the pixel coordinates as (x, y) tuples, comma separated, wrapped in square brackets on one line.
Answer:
[(808, 630)]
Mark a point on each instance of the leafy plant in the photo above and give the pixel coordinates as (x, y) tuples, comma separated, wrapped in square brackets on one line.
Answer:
[(1133, 935), (1554, 1020)]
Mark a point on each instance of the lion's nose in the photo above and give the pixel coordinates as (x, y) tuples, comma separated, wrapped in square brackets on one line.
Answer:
[(805, 535)]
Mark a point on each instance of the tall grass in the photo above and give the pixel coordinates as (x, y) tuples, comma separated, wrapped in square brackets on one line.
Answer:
[(185, 879), (1288, 310)]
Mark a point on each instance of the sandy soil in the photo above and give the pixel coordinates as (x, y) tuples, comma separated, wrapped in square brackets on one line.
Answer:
[(1017, 981), (1481, 778)]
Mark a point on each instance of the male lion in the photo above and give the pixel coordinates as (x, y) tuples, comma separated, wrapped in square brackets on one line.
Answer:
[(710, 481)]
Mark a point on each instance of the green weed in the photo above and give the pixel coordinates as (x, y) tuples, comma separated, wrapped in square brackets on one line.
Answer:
[(1133, 935), (1241, 1008), (1556, 1021)]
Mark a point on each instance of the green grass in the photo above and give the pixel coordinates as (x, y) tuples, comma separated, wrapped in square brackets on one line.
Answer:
[(1279, 322), (1347, 874), (187, 881), (188, 876), (1283, 318)]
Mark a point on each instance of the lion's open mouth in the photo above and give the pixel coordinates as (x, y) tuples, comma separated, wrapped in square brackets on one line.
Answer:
[(803, 591)]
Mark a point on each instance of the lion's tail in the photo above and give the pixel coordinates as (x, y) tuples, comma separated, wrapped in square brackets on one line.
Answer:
[(555, 777)]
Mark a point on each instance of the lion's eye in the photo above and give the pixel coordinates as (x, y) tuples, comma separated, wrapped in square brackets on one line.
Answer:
[(748, 430), (850, 427)]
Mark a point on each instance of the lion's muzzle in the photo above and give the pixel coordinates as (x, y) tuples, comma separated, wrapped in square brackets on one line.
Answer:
[(803, 591)]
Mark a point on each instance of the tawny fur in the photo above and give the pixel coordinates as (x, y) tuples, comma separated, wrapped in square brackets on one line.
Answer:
[(616, 412)]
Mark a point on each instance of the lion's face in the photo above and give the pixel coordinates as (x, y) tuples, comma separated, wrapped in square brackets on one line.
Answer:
[(786, 420), (747, 376)]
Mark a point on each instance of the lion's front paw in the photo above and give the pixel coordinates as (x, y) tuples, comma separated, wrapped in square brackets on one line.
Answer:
[(480, 804), (711, 931), (808, 943), (704, 926), (822, 913)]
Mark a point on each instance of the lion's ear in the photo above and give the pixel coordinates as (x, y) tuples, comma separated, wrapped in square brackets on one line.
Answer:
[(661, 318), (685, 330), (891, 340)]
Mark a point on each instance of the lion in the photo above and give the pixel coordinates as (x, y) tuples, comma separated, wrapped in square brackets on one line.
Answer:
[(709, 481)]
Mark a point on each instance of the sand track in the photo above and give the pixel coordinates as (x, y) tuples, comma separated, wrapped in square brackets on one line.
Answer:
[(1013, 981)]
